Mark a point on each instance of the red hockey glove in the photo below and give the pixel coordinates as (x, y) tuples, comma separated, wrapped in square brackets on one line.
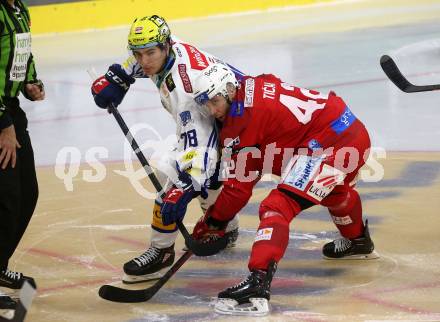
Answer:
[(208, 228)]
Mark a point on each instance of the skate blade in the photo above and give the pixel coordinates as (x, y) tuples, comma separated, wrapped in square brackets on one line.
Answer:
[(372, 255), (12, 293), (256, 307), (134, 279), (7, 313)]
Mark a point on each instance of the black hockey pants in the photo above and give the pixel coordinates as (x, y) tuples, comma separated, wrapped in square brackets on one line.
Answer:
[(18, 187)]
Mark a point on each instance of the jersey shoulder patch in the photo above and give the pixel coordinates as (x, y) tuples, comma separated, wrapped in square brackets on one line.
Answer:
[(185, 117), (169, 82)]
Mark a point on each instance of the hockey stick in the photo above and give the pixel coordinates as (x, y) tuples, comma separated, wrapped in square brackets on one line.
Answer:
[(392, 71), (198, 248), (116, 294), (123, 295), (27, 294)]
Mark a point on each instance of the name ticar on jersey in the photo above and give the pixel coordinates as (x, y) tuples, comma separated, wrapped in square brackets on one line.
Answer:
[(269, 90)]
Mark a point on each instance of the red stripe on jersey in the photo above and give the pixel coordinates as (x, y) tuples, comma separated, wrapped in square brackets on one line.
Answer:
[(197, 59)]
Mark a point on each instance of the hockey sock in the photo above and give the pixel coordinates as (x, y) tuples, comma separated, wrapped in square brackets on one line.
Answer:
[(346, 212), (276, 212), (271, 241)]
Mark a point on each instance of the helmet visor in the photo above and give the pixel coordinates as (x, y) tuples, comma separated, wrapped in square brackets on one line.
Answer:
[(143, 46)]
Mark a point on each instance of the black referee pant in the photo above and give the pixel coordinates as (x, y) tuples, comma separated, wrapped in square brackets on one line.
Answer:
[(18, 187)]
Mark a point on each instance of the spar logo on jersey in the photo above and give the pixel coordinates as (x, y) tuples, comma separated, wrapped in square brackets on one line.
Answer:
[(185, 117), (301, 171), (185, 78), (249, 92), (197, 59)]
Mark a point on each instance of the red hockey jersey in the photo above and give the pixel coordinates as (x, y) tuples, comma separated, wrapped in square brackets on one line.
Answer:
[(277, 119)]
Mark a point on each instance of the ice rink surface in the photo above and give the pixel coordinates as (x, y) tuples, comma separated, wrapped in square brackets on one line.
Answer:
[(78, 240)]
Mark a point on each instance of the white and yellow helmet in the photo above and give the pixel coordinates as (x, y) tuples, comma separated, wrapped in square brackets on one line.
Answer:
[(213, 81), (148, 31)]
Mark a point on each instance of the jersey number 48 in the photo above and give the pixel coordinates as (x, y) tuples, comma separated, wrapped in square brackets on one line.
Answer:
[(302, 110)]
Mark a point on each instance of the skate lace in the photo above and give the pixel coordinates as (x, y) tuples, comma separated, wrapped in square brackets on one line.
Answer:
[(243, 282), (147, 257), (342, 244), (12, 275)]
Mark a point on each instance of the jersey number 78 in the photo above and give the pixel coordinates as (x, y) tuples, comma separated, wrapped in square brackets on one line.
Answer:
[(189, 139)]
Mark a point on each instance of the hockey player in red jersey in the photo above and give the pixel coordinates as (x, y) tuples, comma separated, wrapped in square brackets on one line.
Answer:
[(312, 141)]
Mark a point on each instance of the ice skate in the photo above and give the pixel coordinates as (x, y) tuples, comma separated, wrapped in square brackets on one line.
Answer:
[(356, 248), (148, 266), (249, 297), (14, 280)]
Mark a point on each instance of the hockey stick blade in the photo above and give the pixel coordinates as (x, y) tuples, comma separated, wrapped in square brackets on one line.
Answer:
[(122, 295), (201, 248), (392, 71)]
